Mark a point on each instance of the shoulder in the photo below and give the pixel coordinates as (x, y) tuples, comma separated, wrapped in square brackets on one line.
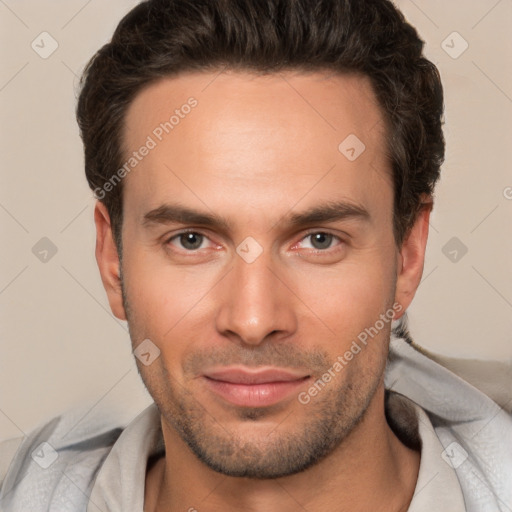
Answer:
[(468, 405), (491, 378), (494, 378), (64, 453), (8, 450)]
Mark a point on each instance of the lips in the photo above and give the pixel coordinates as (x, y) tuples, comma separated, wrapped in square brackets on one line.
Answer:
[(254, 387)]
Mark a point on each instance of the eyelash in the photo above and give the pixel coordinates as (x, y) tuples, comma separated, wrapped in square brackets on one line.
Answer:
[(330, 250)]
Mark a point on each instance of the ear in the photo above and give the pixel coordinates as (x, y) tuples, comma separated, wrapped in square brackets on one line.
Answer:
[(411, 258), (108, 260)]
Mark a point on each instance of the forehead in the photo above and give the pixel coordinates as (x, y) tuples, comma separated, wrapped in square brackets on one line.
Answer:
[(252, 137)]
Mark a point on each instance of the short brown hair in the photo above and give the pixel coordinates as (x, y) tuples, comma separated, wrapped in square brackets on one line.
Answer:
[(160, 38)]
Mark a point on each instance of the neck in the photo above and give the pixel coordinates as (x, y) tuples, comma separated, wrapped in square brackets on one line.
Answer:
[(370, 470)]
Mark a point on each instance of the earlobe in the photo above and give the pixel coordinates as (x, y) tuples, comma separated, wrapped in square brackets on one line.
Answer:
[(411, 259), (108, 260)]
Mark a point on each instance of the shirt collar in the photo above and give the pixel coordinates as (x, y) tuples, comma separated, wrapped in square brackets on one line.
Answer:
[(120, 482), (437, 487)]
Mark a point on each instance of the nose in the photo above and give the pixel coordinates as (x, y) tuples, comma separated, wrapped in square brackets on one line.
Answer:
[(256, 302)]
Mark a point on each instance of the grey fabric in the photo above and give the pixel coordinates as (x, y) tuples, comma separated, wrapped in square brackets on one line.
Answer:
[(463, 418), (66, 484)]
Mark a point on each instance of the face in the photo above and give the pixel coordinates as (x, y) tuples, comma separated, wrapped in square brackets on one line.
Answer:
[(258, 253)]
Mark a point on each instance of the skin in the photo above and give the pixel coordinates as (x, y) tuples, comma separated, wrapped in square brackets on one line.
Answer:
[(256, 150)]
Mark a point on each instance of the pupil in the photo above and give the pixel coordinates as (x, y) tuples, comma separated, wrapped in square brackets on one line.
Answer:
[(321, 240)]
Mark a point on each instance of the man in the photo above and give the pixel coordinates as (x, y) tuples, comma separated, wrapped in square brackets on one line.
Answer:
[(264, 173)]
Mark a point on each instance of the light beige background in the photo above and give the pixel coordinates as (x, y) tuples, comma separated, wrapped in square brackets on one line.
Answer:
[(60, 345)]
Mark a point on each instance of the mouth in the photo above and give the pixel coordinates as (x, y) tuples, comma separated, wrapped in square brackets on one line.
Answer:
[(247, 387)]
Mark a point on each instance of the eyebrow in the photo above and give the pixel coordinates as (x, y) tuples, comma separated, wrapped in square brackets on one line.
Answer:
[(328, 212)]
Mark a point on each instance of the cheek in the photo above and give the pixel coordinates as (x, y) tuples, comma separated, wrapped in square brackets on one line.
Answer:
[(351, 295), (350, 301), (164, 299)]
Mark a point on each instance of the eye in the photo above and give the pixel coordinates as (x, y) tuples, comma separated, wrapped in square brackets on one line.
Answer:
[(320, 240), (189, 240), (192, 241)]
